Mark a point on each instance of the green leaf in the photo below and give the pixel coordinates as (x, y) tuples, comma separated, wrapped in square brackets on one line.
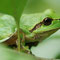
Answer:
[(7, 54), (49, 48), (12, 7)]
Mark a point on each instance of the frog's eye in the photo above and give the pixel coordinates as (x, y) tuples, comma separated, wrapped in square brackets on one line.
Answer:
[(47, 21)]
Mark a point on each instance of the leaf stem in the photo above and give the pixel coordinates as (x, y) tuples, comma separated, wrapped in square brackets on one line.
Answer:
[(18, 40)]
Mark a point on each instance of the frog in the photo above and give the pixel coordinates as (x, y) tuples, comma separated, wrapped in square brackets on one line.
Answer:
[(35, 27), (39, 26)]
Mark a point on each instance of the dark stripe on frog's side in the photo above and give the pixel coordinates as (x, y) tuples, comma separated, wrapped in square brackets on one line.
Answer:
[(36, 27)]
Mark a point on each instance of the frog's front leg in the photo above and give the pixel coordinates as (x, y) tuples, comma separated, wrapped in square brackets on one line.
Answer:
[(22, 43)]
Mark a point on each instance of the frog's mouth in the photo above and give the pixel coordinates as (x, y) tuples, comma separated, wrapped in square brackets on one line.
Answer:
[(39, 37)]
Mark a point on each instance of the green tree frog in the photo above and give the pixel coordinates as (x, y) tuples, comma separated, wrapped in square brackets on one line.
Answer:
[(39, 26), (34, 27)]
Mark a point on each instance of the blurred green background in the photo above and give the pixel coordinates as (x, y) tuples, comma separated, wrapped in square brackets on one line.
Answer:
[(34, 6)]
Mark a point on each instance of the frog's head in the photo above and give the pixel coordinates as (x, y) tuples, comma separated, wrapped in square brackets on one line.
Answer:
[(48, 21), (39, 25)]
